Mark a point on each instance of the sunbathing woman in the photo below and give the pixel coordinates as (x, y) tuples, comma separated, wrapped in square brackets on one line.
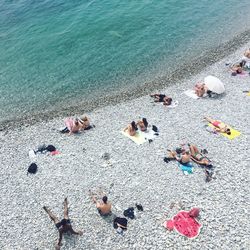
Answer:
[(72, 126), (142, 124), (84, 120), (219, 126), (162, 98), (131, 129), (197, 156)]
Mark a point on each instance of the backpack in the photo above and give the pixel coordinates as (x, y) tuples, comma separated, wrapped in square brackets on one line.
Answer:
[(129, 213), (32, 169)]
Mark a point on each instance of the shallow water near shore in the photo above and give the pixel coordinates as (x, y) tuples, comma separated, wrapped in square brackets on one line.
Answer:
[(62, 58)]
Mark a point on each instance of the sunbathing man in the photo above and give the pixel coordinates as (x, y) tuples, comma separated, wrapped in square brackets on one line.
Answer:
[(63, 226), (162, 98), (237, 68), (181, 156), (131, 129), (142, 124), (103, 207), (219, 126)]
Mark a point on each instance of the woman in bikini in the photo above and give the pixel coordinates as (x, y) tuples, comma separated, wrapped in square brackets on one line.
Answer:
[(219, 126), (162, 98), (197, 156), (131, 129), (142, 124)]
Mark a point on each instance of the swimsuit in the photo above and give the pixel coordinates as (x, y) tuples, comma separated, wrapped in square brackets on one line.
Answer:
[(104, 215), (59, 224), (216, 123), (161, 97)]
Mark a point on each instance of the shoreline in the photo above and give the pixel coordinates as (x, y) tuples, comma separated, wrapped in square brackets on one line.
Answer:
[(138, 174), (209, 58)]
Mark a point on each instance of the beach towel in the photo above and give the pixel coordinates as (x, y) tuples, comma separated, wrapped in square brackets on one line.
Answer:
[(185, 224), (234, 133), (138, 138), (173, 104), (187, 168), (141, 137), (191, 93), (248, 94)]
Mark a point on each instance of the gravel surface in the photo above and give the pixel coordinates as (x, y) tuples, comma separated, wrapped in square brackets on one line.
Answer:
[(137, 174)]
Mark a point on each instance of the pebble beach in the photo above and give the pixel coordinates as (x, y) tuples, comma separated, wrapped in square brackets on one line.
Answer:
[(136, 173)]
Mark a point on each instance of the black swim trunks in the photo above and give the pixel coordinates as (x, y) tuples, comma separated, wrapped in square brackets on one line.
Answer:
[(104, 215), (161, 97), (59, 224)]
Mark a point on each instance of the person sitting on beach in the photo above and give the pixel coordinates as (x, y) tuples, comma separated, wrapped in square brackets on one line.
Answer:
[(72, 126), (103, 207), (85, 122), (142, 124), (162, 98), (63, 226), (200, 89), (237, 68), (246, 59), (219, 126), (131, 129)]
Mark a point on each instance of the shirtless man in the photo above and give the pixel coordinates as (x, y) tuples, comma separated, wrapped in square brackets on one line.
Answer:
[(103, 207), (184, 157), (63, 226)]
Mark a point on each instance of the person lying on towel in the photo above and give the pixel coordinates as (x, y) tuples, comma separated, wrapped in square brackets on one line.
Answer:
[(219, 126), (197, 156), (131, 129), (162, 98)]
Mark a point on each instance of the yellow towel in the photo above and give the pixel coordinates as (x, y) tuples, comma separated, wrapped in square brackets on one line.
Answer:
[(138, 138), (248, 93), (234, 133)]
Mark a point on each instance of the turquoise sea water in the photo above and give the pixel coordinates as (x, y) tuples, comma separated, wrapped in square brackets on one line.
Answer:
[(59, 53)]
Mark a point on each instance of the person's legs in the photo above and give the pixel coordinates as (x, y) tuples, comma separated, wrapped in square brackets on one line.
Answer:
[(66, 209), (51, 215), (65, 130), (193, 149), (209, 119)]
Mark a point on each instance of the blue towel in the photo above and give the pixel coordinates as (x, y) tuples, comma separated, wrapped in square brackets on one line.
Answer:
[(187, 167)]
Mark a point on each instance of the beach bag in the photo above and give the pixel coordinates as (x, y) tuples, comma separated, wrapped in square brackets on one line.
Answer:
[(121, 221), (32, 169), (139, 207), (51, 148), (129, 213), (154, 128)]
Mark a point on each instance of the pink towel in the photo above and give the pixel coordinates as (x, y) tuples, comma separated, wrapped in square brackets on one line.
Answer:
[(185, 223)]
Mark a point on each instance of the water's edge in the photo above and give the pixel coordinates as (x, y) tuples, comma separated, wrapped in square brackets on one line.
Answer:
[(207, 59)]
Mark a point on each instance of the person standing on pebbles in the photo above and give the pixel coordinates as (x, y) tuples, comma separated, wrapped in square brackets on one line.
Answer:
[(63, 226)]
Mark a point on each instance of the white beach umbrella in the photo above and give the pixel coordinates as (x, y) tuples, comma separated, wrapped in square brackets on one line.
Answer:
[(214, 84)]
